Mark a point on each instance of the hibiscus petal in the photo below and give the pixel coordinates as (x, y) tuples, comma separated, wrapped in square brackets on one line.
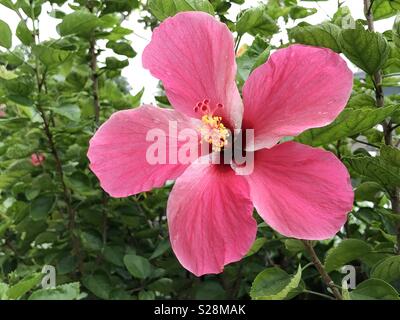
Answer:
[(298, 88), (118, 150), (193, 55), (210, 218), (301, 192)]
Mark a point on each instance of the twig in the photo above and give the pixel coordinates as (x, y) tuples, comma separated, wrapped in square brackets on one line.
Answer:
[(318, 265), (95, 79), (237, 42), (387, 126), (394, 127), (96, 105), (46, 124), (319, 294), (366, 143)]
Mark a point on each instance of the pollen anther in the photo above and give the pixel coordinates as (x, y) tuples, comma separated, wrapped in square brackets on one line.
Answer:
[(214, 132)]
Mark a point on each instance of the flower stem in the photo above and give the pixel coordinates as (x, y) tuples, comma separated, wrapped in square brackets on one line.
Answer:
[(318, 265)]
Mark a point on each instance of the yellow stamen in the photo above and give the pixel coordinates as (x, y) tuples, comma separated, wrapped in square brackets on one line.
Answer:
[(214, 132)]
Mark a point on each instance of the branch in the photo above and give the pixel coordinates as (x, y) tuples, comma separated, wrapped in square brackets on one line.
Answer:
[(387, 126), (46, 124), (96, 105), (318, 265), (366, 143), (95, 79)]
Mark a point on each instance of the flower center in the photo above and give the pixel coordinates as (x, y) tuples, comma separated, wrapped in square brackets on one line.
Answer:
[(212, 130)]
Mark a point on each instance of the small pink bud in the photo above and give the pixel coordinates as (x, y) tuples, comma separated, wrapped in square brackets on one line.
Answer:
[(2, 110), (37, 159)]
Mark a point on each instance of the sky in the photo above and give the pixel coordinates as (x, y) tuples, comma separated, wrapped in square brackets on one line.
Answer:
[(139, 78)]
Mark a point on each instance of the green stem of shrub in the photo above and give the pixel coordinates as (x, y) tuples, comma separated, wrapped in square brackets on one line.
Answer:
[(387, 125), (41, 80), (318, 265)]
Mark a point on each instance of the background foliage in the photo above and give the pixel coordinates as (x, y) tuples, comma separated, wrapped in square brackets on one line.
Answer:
[(55, 93)]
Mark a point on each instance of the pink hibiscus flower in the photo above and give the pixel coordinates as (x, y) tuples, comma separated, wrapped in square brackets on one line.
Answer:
[(37, 159), (300, 191)]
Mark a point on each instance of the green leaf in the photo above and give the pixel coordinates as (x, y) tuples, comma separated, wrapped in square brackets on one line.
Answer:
[(346, 251), (361, 100), (122, 48), (3, 291), (31, 8), (256, 21), (299, 12), (387, 270), (24, 34), (9, 177), (91, 242), (5, 35), (138, 266), (120, 6), (78, 22), (146, 295), (368, 191), (25, 285), (275, 284), (374, 169), (162, 9), (294, 245), (19, 87), (99, 284), (69, 291), (254, 56), (367, 50), (322, 35), (391, 155), (163, 285), (210, 290), (69, 111), (257, 245), (117, 33), (41, 207), (8, 3), (6, 74), (396, 31), (382, 9), (115, 255), (162, 247), (51, 56), (113, 63), (348, 123), (374, 289)]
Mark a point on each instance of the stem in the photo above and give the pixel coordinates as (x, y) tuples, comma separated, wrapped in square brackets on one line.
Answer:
[(96, 105), (318, 265), (395, 127), (366, 143), (237, 42), (50, 138), (319, 294), (387, 126), (95, 80)]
